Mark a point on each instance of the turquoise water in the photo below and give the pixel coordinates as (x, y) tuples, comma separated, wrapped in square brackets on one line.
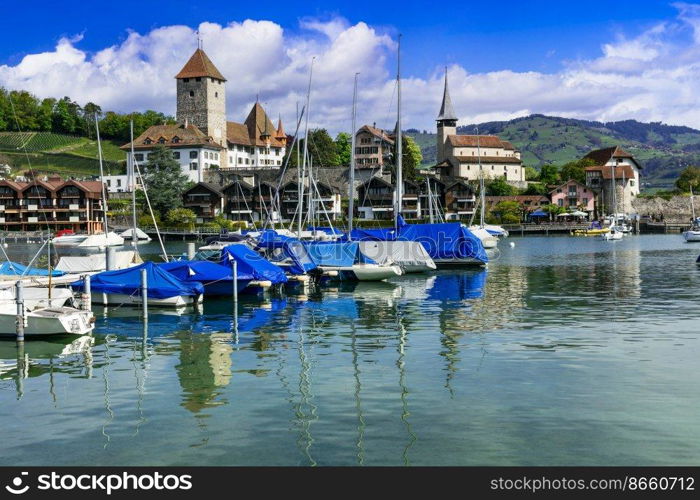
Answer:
[(566, 351)]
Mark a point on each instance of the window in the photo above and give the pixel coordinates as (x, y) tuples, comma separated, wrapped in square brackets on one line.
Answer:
[(279, 162), (193, 165), (119, 183), (492, 167), (197, 79), (240, 160), (277, 151), (176, 155), (216, 94), (206, 155), (148, 141), (138, 157), (247, 161), (585, 201), (631, 183), (176, 140), (191, 93), (161, 141), (109, 183), (186, 80), (193, 154), (560, 203), (206, 165)]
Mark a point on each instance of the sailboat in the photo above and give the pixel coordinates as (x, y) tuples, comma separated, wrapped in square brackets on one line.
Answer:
[(693, 234), (99, 240), (615, 232), (487, 239)]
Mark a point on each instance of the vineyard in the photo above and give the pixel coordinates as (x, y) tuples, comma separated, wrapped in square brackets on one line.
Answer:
[(36, 141)]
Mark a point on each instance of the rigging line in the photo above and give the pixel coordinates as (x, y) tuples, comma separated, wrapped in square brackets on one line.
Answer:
[(148, 201), (102, 180)]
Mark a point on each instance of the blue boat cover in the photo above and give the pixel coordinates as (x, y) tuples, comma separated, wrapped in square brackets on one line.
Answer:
[(327, 230), (201, 270), (380, 234), (10, 268), (250, 262), (336, 253), (161, 284), (449, 240), (283, 247)]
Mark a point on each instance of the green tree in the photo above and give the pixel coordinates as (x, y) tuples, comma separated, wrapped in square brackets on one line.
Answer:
[(536, 188), (67, 116), (24, 109), (411, 158), (343, 144), (164, 180), (531, 174), (549, 174), (321, 149), (508, 212), (553, 209), (575, 170), (181, 217), (499, 187), (689, 177)]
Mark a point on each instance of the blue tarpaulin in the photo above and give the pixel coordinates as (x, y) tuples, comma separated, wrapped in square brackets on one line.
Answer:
[(380, 234), (161, 284), (250, 262), (280, 247), (10, 268), (539, 213), (336, 253), (327, 230), (217, 279), (445, 241)]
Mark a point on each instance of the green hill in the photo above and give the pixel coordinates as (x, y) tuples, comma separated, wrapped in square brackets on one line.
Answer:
[(46, 152), (663, 150)]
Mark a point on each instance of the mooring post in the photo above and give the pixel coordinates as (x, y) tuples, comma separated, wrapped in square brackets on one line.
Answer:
[(235, 281), (111, 258), (19, 298), (190, 250), (86, 296), (144, 294)]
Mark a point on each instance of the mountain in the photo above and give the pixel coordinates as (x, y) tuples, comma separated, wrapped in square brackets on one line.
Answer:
[(663, 150)]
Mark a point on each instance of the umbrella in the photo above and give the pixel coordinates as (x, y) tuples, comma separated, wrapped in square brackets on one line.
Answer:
[(578, 213), (564, 215)]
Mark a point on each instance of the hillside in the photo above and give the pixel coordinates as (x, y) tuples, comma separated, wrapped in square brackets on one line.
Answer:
[(46, 152), (663, 150)]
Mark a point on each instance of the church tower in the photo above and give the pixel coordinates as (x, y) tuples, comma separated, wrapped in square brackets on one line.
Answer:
[(446, 124), (201, 97)]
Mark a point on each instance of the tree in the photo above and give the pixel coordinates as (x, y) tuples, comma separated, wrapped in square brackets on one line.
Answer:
[(689, 177), (575, 170), (164, 180), (343, 144), (508, 212), (411, 158), (549, 174), (553, 209), (536, 188), (181, 217), (531, 174), (499, 187), (321, 149)]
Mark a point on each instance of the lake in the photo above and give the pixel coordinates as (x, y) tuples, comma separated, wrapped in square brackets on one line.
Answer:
[(565, 351)]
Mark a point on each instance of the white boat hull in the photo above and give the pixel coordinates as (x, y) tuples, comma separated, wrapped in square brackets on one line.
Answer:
[(692, 236), (118, 299), (469, 261), (35, 297), (88, 241), (612, 236), (48, 321), (374, 272), (487, 239)]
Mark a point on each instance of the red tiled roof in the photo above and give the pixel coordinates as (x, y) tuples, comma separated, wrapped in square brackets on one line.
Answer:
[(254, 130), (200, 65), (484, 141), (377, 133), (606, 172), (602, 156), (187, 136), (489, 159)]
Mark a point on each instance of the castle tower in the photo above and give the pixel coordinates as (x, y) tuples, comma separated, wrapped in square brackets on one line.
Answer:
[(446, 123), (201, 96)]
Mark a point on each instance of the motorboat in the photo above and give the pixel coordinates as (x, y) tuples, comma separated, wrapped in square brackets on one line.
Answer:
[(140, 235), (46, 321), (35, 297), (345, 261), (487, 239), (411, 256), (613, 234), (86, 241)]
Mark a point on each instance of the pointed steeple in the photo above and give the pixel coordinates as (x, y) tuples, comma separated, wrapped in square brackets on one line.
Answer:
[(447, 113), (280, 134), (200, 65)]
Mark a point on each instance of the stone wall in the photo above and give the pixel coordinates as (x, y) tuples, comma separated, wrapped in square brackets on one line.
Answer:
[(677, 209)]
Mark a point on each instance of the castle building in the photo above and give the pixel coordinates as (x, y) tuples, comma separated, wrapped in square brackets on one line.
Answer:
[(467, 156), (615, 169), (202, 139)]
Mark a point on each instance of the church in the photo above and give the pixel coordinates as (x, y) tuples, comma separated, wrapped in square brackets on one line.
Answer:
[(467, 156), (202, 139)]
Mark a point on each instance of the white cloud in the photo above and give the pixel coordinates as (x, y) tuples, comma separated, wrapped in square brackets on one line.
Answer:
[(651, 76)]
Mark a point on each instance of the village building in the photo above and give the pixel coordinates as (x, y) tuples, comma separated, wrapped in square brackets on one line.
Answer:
[(372, 147), (202, 139), (573, 196), (529, 203), (470, 156), (52, 203), (613, 167)]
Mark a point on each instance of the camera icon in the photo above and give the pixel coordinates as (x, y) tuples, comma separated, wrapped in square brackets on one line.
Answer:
[(16, 487)]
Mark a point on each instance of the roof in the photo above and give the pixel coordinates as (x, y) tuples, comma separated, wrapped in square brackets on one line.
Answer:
[(173, 136), (92, 188), (489, 159), (238, 182), (460, 182), (200, 65), (280, 134), (518, 198), (603, 156), (606, 173), (251, 132), (377, 179), (17, 186), (207, 185), (473, 141), (446, 110), (379, 133), (564, 184)]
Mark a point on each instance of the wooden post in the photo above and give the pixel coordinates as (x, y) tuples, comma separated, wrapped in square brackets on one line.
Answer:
[(144, 294), (19, 298)]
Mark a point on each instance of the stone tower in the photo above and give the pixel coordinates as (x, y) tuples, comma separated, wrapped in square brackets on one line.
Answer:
[(446, 123), (201, 96)]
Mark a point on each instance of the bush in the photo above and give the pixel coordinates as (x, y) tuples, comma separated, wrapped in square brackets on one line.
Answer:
[(510, 219)]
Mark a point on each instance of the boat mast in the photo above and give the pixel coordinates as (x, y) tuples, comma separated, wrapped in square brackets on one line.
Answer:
[(399, 145), (132, 182), (481, 180), (692, 203), (306, 149), (102, 180), (351, 186), (430, 201)]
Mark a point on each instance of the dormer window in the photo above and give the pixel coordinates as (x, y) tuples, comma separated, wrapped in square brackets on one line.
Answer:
[(161, 140), (176, 140), (148, 141)]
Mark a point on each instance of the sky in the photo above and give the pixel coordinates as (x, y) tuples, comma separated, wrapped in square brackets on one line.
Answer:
[(597, 60)]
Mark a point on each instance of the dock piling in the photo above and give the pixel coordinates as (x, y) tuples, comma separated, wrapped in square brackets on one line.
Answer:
[(111, 259), (190, 250), (19, 298), (235, 281), (86, 296), (144, 295)]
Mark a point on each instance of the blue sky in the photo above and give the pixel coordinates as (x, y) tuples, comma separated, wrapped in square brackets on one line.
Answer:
[(601, 60), (518, 35)]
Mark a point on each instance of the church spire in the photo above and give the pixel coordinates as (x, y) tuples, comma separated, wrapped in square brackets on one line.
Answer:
[(447, 113)]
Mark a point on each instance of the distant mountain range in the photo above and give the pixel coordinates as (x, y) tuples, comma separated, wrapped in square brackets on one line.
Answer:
[(663, 150)]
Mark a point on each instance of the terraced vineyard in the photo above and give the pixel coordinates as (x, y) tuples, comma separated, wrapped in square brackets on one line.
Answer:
[(36, 141)]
